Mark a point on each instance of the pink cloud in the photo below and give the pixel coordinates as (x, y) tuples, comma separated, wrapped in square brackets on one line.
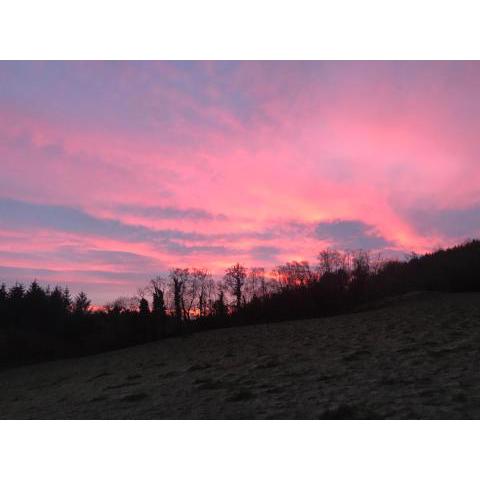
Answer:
[(255, 146)]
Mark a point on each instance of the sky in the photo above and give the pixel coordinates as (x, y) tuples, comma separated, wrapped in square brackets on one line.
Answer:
[(114, 172)]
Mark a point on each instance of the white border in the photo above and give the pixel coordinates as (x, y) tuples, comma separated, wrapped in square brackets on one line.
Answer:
[(247, 29), (238, 450)]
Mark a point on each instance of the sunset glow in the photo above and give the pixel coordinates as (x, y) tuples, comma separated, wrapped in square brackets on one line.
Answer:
[(113, 172)]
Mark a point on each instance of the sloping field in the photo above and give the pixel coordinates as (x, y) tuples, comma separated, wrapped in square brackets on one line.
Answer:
[(418, 357)]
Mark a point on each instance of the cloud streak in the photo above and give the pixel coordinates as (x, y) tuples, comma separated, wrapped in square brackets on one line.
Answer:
[(350, 234)]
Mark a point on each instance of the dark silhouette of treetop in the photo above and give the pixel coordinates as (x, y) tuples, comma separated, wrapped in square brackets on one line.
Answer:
[(82, 303), (234, 280)]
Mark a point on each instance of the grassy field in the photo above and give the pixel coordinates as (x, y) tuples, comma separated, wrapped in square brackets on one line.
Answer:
[(414, 357)]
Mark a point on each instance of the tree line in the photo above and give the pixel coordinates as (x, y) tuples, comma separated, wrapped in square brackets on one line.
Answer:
[(38, 323)]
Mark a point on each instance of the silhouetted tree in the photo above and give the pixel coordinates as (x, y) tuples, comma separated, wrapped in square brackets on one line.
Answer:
[(331, 261), (82, 304), (234, 279), (57, 311), (3, 294), (199, 290), (67, 300), (159, 313), (148, 326), (293, 274), (16, 296), (360, 274), (178, 278), (121, 305), (3, 306), (143, 308), (255, 284), (219, 307)]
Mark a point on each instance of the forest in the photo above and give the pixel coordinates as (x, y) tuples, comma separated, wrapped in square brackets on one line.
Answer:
[(40, 323)]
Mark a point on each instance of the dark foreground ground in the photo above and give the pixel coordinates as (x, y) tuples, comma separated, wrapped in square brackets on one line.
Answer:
[(418, 357)]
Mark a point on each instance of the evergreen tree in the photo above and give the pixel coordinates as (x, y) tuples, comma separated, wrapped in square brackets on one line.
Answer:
[(67, 300), (3, 306), (82, 304), (159, 313)]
